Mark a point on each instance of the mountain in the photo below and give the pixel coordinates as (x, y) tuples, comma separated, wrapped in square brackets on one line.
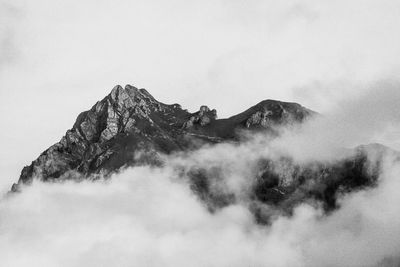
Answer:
[(107, 136), (111, 134)]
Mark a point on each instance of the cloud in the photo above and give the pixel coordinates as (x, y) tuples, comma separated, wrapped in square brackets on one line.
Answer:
[(372, 117), (150, 217), (141, 217), (229, 55)]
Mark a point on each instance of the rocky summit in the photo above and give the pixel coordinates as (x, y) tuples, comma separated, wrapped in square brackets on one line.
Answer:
[(129, 120)]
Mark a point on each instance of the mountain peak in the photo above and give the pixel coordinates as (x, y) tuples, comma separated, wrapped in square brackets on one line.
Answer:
[(128, 120), (129, 128), (129, 96), (202, 117)]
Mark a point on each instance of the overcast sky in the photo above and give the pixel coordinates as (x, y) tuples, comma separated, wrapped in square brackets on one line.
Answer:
[(57, 58)]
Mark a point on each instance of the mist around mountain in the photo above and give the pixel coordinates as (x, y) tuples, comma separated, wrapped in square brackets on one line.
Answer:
[(130, 120), (139, 182)]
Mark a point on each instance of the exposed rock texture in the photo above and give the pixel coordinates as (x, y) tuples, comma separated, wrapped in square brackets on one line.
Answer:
[(106, 137), (129, 120), (203, 117), (283, 184)]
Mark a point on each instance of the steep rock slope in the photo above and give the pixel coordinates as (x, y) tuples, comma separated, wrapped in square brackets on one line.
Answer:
[(130, 127), (130, 120)]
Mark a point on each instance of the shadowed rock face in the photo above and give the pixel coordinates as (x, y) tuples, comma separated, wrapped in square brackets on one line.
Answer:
[(283, 184), (129, 120)]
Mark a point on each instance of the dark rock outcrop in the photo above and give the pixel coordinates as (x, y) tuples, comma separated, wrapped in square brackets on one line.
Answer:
[(203, 117), (283, 184), (106, 137), (129, 120)]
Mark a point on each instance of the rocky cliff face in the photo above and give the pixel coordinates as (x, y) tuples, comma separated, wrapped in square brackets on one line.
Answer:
[(127, 120), (130, 120)]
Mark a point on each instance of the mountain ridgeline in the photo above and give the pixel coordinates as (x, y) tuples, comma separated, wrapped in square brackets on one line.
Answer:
[(129, 127)]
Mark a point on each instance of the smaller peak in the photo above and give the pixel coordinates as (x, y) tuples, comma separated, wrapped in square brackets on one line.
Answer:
[(202, 117), (146, 93), (129, 87), (115, 91), (269, 102), (267, 105), (204, 109), (176, 106)]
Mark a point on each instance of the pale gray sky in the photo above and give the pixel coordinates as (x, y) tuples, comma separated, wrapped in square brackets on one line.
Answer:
[(57, 58)]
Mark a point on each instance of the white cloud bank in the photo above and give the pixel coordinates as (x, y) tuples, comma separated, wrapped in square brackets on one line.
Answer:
[(372, 117), (149, 217)]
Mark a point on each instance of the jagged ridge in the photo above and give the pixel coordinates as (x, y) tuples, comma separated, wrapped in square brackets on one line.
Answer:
[(127, 120), (130, 120)]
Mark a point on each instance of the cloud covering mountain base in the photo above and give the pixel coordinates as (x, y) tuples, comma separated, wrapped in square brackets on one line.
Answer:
[(150, 216), (147, 217)]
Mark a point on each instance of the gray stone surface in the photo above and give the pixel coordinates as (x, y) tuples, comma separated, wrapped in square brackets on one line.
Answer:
[(106, 137)]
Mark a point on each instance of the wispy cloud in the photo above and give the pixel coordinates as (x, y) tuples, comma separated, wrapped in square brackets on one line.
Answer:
[(228, 55), (150, 216)]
